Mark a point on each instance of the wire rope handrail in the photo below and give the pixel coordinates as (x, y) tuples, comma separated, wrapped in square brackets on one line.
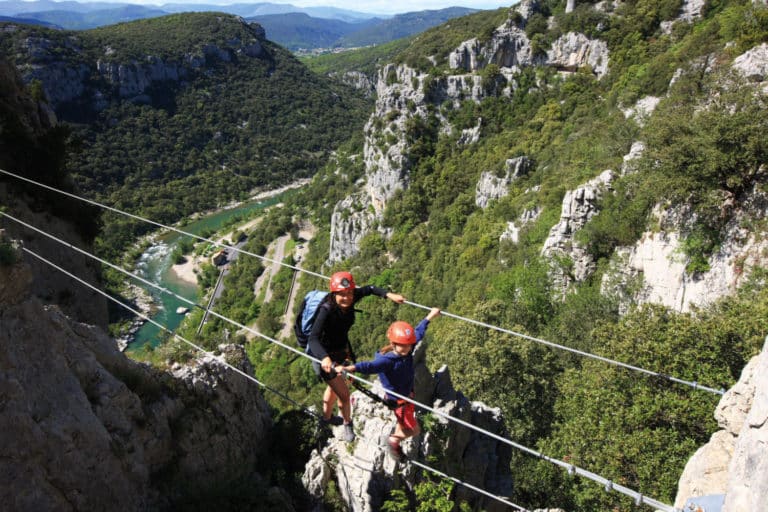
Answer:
[(223, 362), (572, 469), (693, 384)]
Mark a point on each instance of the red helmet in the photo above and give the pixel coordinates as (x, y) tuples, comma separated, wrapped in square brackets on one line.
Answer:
[(401, 333), (341, 281)]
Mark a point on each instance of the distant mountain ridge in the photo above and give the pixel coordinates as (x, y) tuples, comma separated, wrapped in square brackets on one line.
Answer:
[(288, 25), (297, 30), (71, 20), (17, 8)]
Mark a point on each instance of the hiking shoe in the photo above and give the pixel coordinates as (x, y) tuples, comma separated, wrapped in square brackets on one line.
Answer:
[(395, 449), (349, 433), (333, 420)]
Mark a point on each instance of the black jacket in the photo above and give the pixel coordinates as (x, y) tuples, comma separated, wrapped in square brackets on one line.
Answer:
[(330, 332)]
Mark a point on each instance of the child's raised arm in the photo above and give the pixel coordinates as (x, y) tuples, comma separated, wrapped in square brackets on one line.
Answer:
[(434, 312)]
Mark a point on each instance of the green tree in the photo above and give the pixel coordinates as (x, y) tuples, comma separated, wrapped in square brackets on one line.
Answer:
[(639, 431)]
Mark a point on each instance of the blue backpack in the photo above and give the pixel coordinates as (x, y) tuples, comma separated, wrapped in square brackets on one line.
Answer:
[(305, 318)]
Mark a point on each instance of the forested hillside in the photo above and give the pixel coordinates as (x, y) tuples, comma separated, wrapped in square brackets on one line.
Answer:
[(593, 176), (470, 100), (183, 113)]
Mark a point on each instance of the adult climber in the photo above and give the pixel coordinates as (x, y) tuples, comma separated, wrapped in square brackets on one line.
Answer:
[(329, 342)]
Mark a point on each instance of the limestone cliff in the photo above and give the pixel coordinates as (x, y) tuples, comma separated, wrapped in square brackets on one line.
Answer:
[(404, 93), (732, 469), (31, 146), (655, 270), (75, 76), (85, 428)]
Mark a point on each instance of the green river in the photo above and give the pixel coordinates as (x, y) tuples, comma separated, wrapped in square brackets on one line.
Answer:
[(155, 266)]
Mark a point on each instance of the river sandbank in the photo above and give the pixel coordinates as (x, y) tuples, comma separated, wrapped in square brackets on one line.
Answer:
[(189, 270)]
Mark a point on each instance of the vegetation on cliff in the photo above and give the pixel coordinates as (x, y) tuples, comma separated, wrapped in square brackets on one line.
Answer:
[(198, 142), (703, 145)]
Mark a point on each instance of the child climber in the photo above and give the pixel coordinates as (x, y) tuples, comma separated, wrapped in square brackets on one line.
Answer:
[(394, 364)]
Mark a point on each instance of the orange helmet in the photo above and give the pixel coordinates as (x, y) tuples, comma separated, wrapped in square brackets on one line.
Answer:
[(341, 281), (401, 333)]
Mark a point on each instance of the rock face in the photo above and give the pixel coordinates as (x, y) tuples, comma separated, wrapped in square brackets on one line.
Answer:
[(356, 79), (51, 285), (509, 47), (579, 206), (36, 121), (349, 226), (491, 186), (366, 473), (78, 79), (86, 428), (654, 269), (572, 51), (735, 461)]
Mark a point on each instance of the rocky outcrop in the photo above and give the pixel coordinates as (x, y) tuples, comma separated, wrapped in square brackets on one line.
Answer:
[(654, 269), (492, 186), (753, 64), (735, 461), (527, 8), (572, 51), (356, 79), (690, 12), (470, 135), (579, 206), (508, 47), (512, 233), (69, 75), (748, 471), (86, 428), (642, 109), (349, 225), (400, 96), (365, 473), (133, 78), (629, 164)]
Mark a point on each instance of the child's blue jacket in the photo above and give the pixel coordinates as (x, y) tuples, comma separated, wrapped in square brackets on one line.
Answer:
[(396, 372)]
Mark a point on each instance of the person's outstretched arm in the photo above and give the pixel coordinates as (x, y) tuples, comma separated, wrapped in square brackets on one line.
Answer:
[(421, 329)]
